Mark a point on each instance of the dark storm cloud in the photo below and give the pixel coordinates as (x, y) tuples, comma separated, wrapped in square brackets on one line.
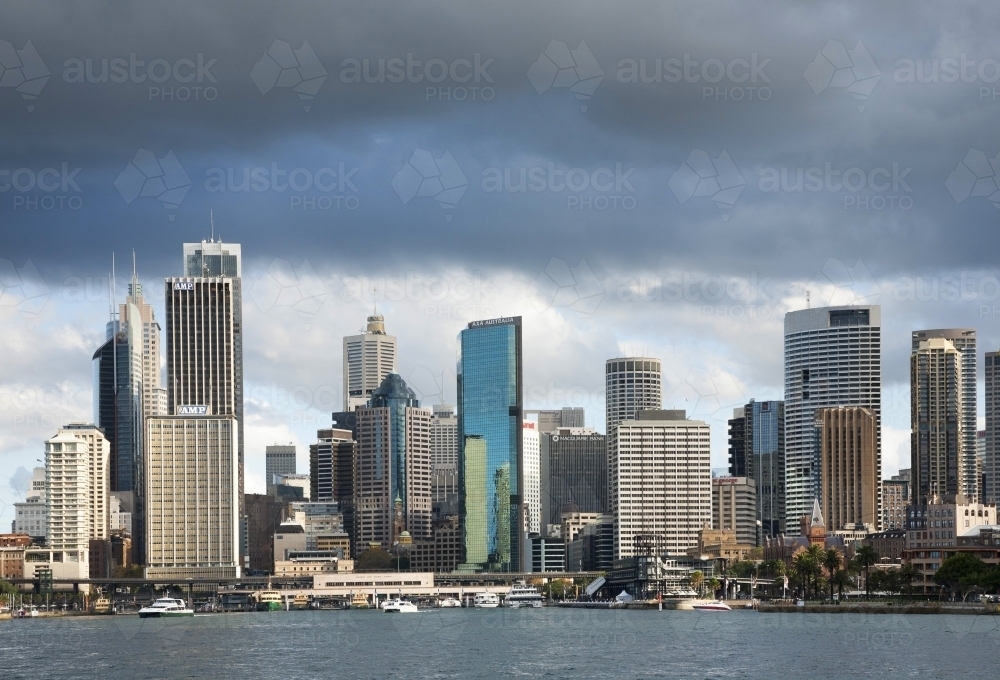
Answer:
[(759, 109)]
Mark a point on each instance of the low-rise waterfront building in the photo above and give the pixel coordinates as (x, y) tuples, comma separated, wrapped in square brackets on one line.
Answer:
[(888, 544), (12, 547), (548, 553)]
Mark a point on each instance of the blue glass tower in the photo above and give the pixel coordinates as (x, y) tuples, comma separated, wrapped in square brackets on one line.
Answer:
[(490, 387), (395, 395)]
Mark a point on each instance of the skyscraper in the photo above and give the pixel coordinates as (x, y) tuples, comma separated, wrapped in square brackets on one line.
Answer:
[(734, 507), (936, 436), (368, 358), (532, 477), (991, 453), (661, 483), (849, 482), (279, 460), (490, 399), (136, 311), (764, 439), (68, 496), (331, 473), (574, 463), (832, 358), (632, 384), (392, 472), (964, 340), (204, 329), (738, 443), (444, 436)]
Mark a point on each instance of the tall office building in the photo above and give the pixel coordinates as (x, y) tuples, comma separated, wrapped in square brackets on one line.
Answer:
[(368, 358), (204, 337), (964, 340), (849, 479), (392, 471), (490, 401), (550, 420), (765, 445), (936, 436), (117, 371), (532, 477), (279, 460), (135, 311), (444, 436), (832, 358), (661, 483), (99, 476), (574, 463), (734, 507), (632, 384), (192, 510), (991, 452), (738, 443)]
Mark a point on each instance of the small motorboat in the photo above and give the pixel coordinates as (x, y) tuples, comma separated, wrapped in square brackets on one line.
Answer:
[(486, 601), (398, 606), (717, 606), (450, 602)]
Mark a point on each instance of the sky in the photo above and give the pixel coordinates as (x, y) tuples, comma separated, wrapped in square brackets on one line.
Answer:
[(663, 179)]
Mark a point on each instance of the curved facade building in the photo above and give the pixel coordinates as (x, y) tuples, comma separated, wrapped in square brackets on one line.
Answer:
[(632, 384), (833, 357)]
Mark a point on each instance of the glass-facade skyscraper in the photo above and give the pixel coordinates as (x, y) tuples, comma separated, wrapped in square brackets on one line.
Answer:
[(765, 445), (490, 398)]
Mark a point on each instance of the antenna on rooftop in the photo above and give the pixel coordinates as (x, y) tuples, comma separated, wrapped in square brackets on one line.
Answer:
[(211, 219), (808, 303)]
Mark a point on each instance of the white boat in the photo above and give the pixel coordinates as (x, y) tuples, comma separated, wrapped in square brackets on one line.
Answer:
[(486, 601), (399, 606), (523, 595), (717, 606), (450, 602), (165, 607)]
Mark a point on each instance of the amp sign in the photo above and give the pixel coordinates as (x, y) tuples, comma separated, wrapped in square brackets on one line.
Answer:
[(192, 410), (184, 285)]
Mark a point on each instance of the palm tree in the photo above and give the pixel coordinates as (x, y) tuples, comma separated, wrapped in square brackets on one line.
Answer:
[(804, 566), (840, 578), (815, 553), (832, 562), (697, 579), (866, 558)]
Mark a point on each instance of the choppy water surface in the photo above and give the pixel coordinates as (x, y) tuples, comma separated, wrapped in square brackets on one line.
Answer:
[(463, 643)]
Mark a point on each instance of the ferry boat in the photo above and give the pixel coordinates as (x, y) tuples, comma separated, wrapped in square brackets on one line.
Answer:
[(450, 602), (359, 601), (301, 601), (717, 606), (268, 601), (102, 605), (165, 607), (486, 601), (523, 595), (398, 606)]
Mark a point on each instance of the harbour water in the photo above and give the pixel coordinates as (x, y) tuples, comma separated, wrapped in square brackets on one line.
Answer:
[(463, 643)]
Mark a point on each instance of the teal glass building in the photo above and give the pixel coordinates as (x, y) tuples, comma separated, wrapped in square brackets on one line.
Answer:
[(490, 404)]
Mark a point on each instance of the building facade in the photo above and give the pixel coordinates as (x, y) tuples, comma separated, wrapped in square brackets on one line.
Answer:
[(738, 443), (278, 460), (734, 507), (832, 358), (444, 436), (849, 474), (368, 358), (443, 553), (894, 502), (661, 483), (964, 340), (574, 473), (68, 487), (192, 511), (490, 399), (549, 420), (31, 514), (936, 435)]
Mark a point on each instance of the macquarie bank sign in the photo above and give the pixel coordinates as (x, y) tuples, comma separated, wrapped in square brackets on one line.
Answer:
[(192, 410)]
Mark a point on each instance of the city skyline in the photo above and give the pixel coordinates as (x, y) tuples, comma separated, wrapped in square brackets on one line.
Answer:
[(703, 294)]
